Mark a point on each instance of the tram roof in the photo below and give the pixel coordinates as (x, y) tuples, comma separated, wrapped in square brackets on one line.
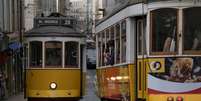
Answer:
[(119, 8), (49, 31)]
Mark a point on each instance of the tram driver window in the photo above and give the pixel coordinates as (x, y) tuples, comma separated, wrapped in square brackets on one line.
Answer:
[(35, 53), (192, 29), (71, 54), (53, 54), (164, 30)]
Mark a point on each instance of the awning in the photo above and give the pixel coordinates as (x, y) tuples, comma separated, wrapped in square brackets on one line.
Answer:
[(15, 46)]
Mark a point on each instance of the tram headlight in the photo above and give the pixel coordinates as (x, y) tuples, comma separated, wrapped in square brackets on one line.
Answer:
[(170, 98), (53, 85), (179, 98)]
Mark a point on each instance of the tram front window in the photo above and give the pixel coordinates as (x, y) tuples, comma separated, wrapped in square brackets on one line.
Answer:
[(35, 53), (164, 30), (192, 28), (53, 54), (71, 54)]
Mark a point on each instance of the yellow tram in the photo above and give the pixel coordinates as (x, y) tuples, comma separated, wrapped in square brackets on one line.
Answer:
[(56, 60), (149, 50)]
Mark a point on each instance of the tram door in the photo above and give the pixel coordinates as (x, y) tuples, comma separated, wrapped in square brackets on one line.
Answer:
[(141, 61)]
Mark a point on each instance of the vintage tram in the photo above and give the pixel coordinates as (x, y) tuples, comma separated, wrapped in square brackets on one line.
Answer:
[(149, 50), (56, 60)]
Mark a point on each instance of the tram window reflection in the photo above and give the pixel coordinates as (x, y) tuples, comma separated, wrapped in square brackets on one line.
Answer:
[(164, 30), (71, 54), (35, 53), (53, 54), (192, 28)]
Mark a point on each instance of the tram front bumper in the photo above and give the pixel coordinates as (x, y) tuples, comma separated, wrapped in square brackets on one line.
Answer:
[(54, 93)]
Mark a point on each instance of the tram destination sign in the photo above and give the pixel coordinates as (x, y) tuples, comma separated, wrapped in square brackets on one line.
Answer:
[(53, 21)]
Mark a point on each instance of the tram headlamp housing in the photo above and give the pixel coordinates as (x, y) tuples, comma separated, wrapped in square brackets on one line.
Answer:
[(170, 98), (53, 85), (179, 98)]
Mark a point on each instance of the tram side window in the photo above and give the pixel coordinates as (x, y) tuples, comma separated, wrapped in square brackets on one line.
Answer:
[(111, 47), (103, 49), (25, 55), (71, 54), (99, 49), (164, 30), (140, 37), (123, 41), (192, 29), (117, 43), (35, 53), (53, 54)]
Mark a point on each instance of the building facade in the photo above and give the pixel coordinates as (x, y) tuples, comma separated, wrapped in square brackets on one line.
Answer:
[(33, 8), (11, 31), (78, 11), (48, 6), (30, 11)]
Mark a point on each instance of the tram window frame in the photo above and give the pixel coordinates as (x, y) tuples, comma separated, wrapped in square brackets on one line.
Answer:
[(38, 63), (68, 58), (58, 48), (166, 42), (186, 26)]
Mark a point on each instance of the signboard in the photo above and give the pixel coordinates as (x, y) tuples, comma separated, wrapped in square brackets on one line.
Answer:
[(47, 21)]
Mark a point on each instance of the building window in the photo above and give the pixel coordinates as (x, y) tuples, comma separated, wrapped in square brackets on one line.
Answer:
[(192, 29), (164, 30), (53, 54), (35, 53), (71, 54)]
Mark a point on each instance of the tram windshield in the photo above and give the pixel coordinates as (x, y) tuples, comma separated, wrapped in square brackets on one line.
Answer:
[(164, 30), (35, 53), (53, 53), (71, 54), (192, 28)]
